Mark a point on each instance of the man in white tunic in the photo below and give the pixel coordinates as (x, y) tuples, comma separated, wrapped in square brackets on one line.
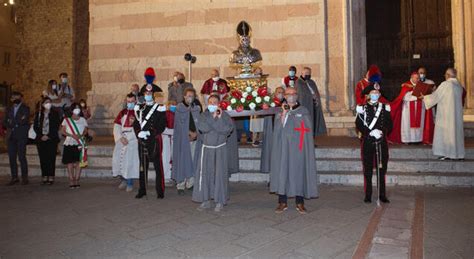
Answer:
[(448, 140), (125, 162)]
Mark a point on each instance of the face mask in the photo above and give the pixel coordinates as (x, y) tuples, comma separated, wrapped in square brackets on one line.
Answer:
[(148, 98), (172, 108), (212, 108), (83, 105), (307, 77), (180, 81), (54, 87), (175, 79), (422, 77), (47, 106), (76, 111), (280, 96), (291, 98), (189, 99), (64, 80), (216, 78), (291, 73), (130, 106), (374, 97)]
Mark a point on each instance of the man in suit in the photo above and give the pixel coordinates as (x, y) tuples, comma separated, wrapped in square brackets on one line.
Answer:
[(17, 124)]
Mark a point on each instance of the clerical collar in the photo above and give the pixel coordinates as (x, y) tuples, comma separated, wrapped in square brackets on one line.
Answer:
[(295, 106), (411, 82), (373, 104), (150, 103)]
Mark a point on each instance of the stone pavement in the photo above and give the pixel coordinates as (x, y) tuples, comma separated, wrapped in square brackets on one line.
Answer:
[(100, 221)]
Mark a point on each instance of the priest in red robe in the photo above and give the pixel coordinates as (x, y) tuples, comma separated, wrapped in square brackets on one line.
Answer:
[(412, 122), (373, 76)]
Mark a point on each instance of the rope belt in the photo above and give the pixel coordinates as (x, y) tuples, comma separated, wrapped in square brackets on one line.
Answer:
[(202, 158)]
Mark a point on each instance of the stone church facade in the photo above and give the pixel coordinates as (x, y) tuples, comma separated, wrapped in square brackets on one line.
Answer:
[(126, 36)]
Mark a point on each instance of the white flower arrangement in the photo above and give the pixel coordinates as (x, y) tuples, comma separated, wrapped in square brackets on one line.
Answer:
[(252, 106), (242, 100), (272, 104), (233, 101), (248, 89), (229, 108), (245, 94), (258, 99), (266, 98), (254, 94)]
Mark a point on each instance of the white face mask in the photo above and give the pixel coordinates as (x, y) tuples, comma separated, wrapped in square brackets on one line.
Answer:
[(175, 79), (47, 106), (76, 111), (64, 80), (54, 86), (212, 108), (216, 78)]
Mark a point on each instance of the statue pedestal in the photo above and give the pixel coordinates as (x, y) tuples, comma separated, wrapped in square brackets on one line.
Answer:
[(240, 83)]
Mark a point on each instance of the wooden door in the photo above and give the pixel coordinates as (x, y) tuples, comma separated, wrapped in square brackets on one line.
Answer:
[(403, 35)]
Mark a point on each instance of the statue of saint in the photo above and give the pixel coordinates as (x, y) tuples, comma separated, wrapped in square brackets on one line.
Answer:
[(245, 55)]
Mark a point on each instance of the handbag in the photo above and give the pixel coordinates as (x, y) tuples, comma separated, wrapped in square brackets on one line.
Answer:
[(32, 132)]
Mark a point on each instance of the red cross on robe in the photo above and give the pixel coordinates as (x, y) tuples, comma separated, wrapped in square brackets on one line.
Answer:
[(302, 131)]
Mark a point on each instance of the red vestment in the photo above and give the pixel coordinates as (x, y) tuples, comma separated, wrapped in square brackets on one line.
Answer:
[(415, 113), (222, 87), (286, 81)]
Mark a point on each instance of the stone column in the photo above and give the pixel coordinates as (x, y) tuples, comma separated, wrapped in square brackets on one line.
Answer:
[(463, 34)]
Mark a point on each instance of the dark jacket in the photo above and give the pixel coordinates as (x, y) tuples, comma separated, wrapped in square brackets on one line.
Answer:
[(18, 125), (54, 123)]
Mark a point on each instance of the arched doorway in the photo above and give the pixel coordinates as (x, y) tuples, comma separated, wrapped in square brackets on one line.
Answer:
[(403, 35)]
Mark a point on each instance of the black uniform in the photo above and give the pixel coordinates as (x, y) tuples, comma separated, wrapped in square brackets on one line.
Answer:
[(150, 149), (383, 123)]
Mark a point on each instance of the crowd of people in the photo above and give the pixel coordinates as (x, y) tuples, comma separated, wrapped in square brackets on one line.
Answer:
[(196, 144)]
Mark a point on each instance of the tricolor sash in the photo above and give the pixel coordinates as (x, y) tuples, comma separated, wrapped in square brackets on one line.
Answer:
[(82, 143)]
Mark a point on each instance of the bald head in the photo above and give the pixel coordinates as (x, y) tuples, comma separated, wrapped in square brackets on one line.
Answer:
[(451, 73), (214, 73)]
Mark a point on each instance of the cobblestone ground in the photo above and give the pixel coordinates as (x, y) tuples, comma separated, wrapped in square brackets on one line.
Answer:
[(99, 221)]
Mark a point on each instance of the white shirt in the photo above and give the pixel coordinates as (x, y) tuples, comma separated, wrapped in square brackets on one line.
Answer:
[(81, 125)]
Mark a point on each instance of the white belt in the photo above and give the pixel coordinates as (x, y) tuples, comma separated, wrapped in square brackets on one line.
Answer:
[(202, 158)]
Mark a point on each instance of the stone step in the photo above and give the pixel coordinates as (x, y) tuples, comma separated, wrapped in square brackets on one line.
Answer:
[(324, 177), (323, 164), (399, 152)]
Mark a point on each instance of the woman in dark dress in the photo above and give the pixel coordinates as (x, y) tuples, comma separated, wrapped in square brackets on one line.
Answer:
[(46, 125)]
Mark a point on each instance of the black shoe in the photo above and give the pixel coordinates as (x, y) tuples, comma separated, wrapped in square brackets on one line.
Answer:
[(180, 192), (384, 200), (367, 200), (140, 195), (160, 196), (13, 182)]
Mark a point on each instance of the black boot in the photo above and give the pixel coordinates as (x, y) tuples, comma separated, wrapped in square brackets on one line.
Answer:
[(368, 188), (13, 181), (383, 197), (140, 194), (160, 196)]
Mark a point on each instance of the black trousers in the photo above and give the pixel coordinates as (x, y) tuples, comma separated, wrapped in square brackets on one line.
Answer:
[(47, 155), (284, 199), (145, 156), (17, 148), (369, 160)]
